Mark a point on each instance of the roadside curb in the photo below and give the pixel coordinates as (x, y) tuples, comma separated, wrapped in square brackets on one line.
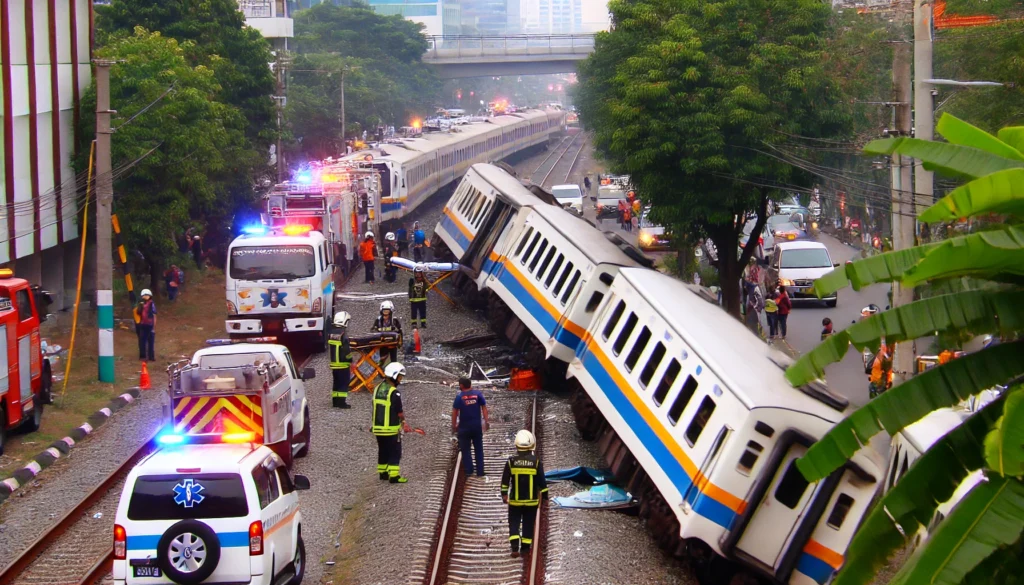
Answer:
[(63, 446)]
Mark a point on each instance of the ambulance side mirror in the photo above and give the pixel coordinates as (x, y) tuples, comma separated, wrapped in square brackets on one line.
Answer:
[(308, 374), (301, 482)]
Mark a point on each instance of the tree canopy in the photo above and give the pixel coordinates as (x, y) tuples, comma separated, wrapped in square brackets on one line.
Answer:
[(690, 98)]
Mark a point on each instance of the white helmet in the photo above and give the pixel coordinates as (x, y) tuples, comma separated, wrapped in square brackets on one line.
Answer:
[(394, 370), (525, 440), (390, 236), (146, 293), (387, 306), (419, 268), (369, 234), (341, 319)]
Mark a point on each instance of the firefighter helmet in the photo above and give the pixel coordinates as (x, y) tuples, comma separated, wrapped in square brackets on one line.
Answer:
[(387, 306), (419, 269), (369, 234), (146, 293), (341, 319), (525, 440), (390, 236), (394, 370)]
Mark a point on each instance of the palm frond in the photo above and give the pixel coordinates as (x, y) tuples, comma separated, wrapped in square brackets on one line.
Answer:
[(949, 159), (956, 131), (1004, 446), (997, 255), (1001, 192)]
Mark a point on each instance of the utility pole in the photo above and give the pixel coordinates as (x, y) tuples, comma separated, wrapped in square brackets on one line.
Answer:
[(903, 219), (924, 114), (279, 100), (343, 105), (104, 199)]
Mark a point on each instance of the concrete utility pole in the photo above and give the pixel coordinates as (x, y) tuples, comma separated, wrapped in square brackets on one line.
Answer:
[(104, 200), (924, 104), (343, 104), (903, 219), (279, 100)]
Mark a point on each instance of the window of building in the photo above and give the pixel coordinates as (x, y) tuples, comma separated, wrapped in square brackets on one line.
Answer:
[(700, 420), (791, 487)]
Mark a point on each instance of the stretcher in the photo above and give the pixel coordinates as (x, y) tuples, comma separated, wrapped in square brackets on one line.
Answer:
[(367, 369), (436, 272)]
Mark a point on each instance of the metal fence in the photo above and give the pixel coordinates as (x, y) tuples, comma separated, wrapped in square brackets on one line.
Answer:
[(446, 46)]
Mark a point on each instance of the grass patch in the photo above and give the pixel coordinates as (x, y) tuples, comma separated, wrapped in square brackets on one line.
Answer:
[(182, 327)]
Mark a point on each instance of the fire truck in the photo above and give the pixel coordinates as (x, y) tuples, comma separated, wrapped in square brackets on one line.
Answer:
[(25, 380)]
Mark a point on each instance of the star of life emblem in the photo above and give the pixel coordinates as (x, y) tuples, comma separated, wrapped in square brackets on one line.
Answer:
[(187, 493)]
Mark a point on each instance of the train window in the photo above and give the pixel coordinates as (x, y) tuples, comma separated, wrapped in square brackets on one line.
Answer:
[(666, 381), (749, 457), (547, 261), (839, 512), (481, 213), (561, 281), (638, 348), (540, 252), (894, 467), (526, 238), (682, 399), (554, 270), (614, 319), (700, 420), (627, 330), (652, 363), (764, 429), (572, 285), (903, 468), (529, 250), (791, 487), (594, 302)]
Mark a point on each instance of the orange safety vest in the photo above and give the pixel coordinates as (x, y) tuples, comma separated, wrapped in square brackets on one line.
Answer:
[(366, 250)]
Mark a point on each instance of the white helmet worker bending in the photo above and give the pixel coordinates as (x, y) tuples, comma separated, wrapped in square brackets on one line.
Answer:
[(342, 318)]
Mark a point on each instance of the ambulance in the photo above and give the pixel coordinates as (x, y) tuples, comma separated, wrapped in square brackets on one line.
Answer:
[(25, 379), (241, 388)]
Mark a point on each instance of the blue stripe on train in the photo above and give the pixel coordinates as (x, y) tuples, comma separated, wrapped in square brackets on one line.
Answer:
[(548, 321), (453, 230), (814, 568)]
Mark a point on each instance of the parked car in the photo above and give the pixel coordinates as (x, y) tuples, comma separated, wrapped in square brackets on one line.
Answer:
[(652, 237), (797, 265), (570, 197)]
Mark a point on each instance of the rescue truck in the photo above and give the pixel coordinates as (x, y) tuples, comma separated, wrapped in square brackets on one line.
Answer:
[(241, 388), (25, 379)]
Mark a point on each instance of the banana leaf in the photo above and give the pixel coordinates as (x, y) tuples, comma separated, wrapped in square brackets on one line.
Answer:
[(902, 405), (997, 255), (976, 312), (1013, 135), (1003, 567), (949, 159), (1004, 445), (911, 503), (885, 267), (990, 516), (1001, 192), (956, 131)]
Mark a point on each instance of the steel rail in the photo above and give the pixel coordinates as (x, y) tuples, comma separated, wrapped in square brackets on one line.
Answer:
[(560, 156), (545, 162)]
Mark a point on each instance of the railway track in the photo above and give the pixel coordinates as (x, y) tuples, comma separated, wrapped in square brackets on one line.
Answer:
[(470, 541), (547, 166), (78, 548)]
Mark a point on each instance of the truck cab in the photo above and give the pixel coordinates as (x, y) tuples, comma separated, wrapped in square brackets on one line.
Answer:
[(25, 379), (280, 283), (242, 388)]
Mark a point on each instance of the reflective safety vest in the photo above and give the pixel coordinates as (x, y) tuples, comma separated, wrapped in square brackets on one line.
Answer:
[(523, 479), (417, 290), (338, 346), (385, 420), (392, 325)]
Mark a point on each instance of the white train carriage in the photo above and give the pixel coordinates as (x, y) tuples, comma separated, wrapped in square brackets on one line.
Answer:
[(413, 169), (710, 417)]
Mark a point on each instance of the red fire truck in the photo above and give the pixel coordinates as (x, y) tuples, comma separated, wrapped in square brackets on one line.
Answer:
[(25, 380)]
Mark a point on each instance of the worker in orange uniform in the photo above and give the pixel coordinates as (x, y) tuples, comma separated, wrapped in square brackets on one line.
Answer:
[(881, 372), (368, 253)]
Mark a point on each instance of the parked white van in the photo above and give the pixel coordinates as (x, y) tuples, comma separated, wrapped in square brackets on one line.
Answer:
[(570, 197)]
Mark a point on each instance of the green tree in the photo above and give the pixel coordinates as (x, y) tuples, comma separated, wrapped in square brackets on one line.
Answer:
[(198, 144), (219, 39), (690, 98), (980, 540)]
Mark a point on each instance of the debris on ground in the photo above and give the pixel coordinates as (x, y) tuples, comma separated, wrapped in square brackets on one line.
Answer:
[(603, 497)]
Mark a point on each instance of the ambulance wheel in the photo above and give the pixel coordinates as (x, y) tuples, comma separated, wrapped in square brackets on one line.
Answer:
[(298, 563), (188, 552), (304, 436), (32, 425), (286, 453)]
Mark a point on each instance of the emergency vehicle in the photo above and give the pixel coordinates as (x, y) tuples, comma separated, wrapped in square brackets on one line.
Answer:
[(242, 388), (214, 508), (25, 379)]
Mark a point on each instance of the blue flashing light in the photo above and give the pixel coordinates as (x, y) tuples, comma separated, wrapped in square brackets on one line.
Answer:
[(170, 439), (255, 230), (304, 178)]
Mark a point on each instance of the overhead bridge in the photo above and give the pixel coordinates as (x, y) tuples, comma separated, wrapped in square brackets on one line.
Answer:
[(481, 56)]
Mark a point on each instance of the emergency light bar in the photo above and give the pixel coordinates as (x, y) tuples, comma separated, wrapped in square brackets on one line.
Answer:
[(297, 230), (265, 339), (6, 273), (255, 230), (205, 439)]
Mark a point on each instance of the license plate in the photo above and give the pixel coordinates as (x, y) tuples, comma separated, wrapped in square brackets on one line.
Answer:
[(147, 572)]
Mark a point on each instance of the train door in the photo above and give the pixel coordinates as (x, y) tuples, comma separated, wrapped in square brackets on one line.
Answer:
[(708, 466), (773, 524), (496, 224)]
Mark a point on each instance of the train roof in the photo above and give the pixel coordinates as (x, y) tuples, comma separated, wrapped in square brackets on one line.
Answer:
[(511, 189), (752, 370), (585, 236), (928, 430)]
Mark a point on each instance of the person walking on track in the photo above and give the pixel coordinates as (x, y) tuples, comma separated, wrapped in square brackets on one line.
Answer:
[(418, 297), (388, 422), (367, 253), (341, 359), (419, 240), (145, 313), (469, 426), (387, 322), (522, 485)]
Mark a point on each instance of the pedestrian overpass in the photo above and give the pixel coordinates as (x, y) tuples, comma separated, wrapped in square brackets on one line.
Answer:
[(461, 56)]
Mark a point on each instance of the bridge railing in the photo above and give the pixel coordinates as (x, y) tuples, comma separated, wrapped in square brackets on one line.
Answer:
[(445, 47)]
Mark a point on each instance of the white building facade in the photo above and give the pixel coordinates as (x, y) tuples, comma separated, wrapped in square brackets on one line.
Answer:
[(271, 18)]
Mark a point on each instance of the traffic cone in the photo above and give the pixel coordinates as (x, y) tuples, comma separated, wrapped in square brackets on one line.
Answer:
[(416, 341), (144, 378)]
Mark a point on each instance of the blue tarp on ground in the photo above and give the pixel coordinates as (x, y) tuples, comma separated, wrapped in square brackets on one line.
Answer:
[(603, 497), (584, 475)]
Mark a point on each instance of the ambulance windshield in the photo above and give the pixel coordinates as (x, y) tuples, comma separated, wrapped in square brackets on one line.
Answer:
[(272, 262)]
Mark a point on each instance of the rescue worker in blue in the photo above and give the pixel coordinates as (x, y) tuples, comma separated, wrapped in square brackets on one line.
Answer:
[(388, 422), (522, 485), (403, 241), (469, 421), (340, 359), (419, 240), (418, 297), (387, 322)]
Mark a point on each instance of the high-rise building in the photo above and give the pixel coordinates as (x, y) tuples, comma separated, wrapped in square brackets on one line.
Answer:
[(45, 52), (485, 17), (552, 16), (271, 18)]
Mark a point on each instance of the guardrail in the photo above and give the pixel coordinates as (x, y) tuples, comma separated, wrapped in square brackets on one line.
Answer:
[(444, 47)]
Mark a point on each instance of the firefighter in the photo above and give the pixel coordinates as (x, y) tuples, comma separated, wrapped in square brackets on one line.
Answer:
[(386, 322), (145, 319), (387, 418), (341, 360), (418, 297), (367, 253), (522, 484), (390, 251)]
